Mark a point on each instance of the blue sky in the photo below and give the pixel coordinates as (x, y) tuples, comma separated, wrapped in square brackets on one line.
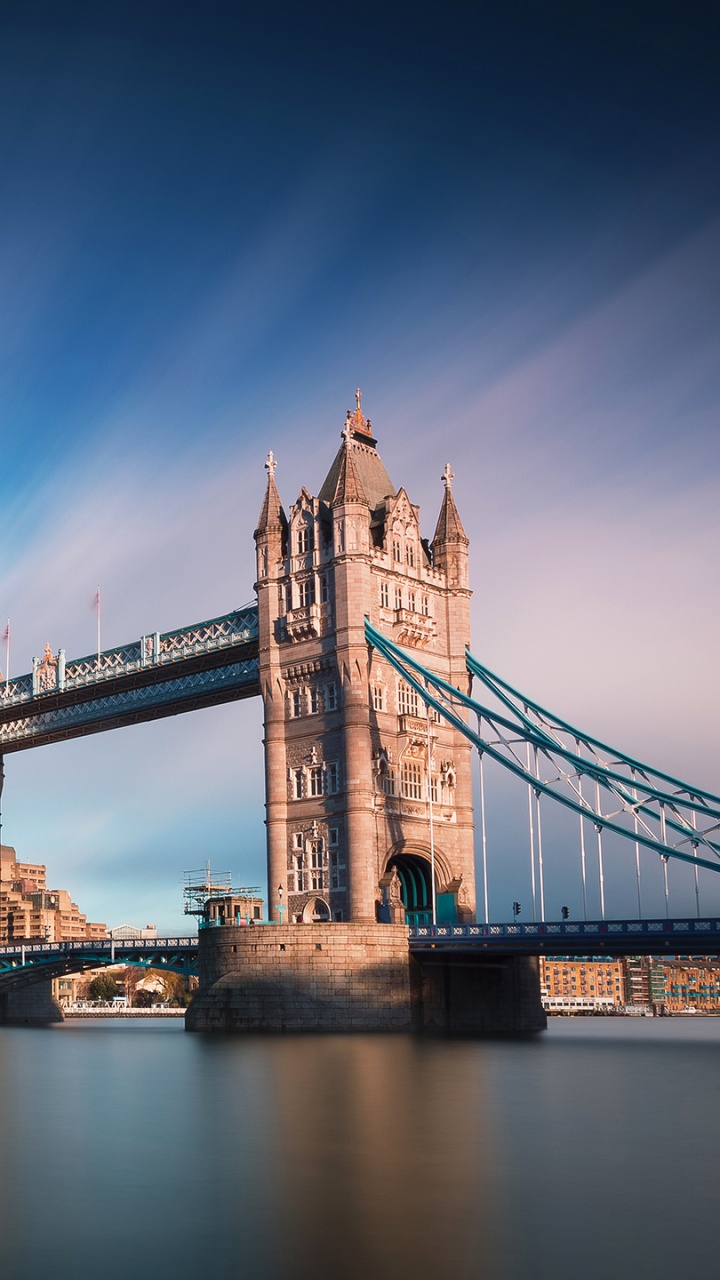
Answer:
[(501, 220)]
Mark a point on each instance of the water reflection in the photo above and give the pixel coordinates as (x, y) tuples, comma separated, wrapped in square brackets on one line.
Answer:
[(138, 1148)]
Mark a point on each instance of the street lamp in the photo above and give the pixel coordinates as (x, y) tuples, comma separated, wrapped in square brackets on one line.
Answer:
[(279, 903)]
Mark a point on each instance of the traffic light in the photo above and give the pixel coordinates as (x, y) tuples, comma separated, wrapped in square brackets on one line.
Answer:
[(516, 909), (565, 912)]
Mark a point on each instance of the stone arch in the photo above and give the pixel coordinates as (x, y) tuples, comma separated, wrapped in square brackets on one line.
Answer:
[(412, 862), (316, 911)]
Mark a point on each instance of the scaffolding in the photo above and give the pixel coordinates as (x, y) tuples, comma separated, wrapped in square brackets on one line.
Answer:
[(202, 887)]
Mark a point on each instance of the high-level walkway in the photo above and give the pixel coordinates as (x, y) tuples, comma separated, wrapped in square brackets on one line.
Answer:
[(158, 675)]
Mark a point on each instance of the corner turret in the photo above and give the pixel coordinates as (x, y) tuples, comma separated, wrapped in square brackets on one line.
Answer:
[(450, 544)]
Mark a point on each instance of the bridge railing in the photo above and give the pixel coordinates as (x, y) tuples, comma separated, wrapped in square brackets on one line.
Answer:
[(55, 675), (96, 946)]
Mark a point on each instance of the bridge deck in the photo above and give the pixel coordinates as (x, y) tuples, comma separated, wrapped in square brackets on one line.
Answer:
[(592, 937)]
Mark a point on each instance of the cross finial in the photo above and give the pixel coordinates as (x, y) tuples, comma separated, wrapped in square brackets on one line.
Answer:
[(447, 476), (270, 465), (358, 398)]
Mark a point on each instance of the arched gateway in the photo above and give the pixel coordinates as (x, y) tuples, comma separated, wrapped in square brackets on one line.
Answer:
[(353, 769)]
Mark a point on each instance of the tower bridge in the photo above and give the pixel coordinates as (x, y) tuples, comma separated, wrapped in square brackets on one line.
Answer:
[(358, 642)]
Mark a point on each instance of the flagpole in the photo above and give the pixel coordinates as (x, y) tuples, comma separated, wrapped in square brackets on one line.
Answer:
[(7, 654), (98, 624)]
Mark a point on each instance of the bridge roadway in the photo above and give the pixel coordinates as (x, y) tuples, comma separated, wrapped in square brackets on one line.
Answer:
[(25, 963), (687, 937), (158, 675)]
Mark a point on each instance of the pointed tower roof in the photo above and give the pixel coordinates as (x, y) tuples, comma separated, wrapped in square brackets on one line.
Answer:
[(349, 486), (272, 515), (449, 526), (366, 463)]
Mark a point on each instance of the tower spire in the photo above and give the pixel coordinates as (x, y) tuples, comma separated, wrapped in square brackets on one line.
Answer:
[(357, 422)]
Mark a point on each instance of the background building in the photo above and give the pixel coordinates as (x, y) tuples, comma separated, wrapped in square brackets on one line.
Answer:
[(28, 909), (581, 984)]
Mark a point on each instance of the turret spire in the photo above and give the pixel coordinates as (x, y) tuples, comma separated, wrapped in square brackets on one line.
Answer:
[(272, 515), (449, 525)]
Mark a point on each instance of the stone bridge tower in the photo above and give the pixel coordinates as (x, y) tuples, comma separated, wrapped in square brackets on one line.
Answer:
[(346, 741)]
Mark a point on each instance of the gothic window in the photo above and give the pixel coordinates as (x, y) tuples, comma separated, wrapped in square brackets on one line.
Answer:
[(324, 591), (330, 697), (304, 539), (425, 606), (398, 597), (307, 592), (333, 778), (397, 556), (332, 836), (317, 857), (316, 780), (378, 697), (298, 842), (411, 601), (314, 701), (296, 702), (411, 780), (407, 700), (297, 784), (436, 791), (410, 554), (263, 562), (384, 596)]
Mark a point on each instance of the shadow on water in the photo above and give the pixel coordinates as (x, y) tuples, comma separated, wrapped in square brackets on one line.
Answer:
[(139, 1149)]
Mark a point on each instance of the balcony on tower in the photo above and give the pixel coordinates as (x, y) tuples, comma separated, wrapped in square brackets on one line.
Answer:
[(303, 623), (416, 629)]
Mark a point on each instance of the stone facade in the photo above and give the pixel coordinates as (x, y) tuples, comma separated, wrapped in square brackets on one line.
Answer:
[(346, 741)]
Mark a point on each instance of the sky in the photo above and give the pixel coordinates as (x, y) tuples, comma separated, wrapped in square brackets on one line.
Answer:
[(501, 221)]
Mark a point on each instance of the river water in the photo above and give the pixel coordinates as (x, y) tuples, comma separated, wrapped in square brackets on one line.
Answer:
[(135, 1149)]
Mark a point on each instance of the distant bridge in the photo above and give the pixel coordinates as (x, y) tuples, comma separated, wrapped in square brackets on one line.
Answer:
[(22, 964)]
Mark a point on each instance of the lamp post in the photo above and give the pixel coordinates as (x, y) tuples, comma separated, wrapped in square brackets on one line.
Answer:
[(279, 904)]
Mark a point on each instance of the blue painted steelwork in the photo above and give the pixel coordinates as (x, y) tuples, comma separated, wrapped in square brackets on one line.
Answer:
[(581, 938), (199, 666), (24, 963), (688, 813)]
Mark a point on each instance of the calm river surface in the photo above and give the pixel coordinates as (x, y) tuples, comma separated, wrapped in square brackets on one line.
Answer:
[(137, 1150)]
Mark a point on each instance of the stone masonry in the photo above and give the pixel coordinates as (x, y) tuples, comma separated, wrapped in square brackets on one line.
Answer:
[(323, 977)]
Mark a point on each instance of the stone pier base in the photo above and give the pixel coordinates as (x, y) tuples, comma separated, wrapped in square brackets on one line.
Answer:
[(321, 977), (31, 1005), (356, 977)]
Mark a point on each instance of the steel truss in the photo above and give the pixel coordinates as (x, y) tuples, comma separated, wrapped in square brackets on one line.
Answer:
[(629, 798)]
